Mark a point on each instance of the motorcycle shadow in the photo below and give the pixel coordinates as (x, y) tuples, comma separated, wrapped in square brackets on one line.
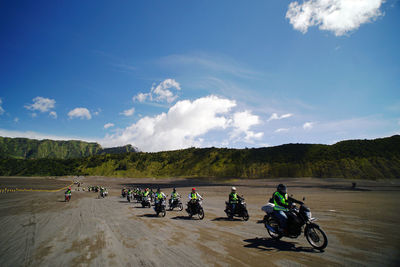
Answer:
[(269, 244), (152, 215), (226, 219), (124, 201), (182, 218)]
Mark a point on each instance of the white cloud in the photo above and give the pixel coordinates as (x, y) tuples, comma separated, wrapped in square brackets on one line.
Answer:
[(282, 130), (242, 122), (82, 113), (53, 114), (1, 108), (128, 112), (161, 92), (308, 125), (108, 125), (184, 125), (141, 97), (338, 16), (42, 104), (34, 115), (275, 116), (16, 119)]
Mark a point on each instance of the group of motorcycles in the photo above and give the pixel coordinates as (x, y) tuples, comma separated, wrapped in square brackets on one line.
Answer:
[(300, 219)]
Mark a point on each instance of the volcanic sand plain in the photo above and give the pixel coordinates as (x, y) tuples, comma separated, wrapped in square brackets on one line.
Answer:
[(39, 229)]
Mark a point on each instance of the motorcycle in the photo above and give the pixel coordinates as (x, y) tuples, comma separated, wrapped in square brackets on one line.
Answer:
[(194, 207), (146, 202), (299, 220), (240, 210), (160, 208), (129, 196), (175, 203), (67, 197), (124, 193)]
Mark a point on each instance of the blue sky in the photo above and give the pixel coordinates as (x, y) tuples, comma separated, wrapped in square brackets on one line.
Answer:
[(164, 75)]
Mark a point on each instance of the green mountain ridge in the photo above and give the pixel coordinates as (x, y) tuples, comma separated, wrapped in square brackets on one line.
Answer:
[(366, 159), (24, 148)]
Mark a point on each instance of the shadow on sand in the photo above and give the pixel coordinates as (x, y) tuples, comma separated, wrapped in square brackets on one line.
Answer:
[(226, 219), (269, 244), (152, 215), (182, 218)]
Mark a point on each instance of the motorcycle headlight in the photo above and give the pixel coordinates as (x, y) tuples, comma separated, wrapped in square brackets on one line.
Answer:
[(309, 215)]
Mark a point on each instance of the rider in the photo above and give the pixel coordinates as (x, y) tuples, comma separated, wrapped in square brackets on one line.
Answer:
[(174, 196), (146, 192), (159, 197), (68, 192), (193, 197), (233, 199), (282, 204)]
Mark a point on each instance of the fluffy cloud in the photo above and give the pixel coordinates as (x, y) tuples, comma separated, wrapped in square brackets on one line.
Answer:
[(242, 122), (275, 116), (161, 92), (184, 125), (308, 125), (128, 112), (338, 16), (1, 108), (53, 114), (82, 113), (108, 125), (42, 104)]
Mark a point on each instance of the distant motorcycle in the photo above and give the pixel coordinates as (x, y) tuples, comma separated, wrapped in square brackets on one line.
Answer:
[(146, 202), (129, 196), (240, 210), (195, 208), (160, 208), (175, 203), (123, 193), (299, 220), (67, 197)]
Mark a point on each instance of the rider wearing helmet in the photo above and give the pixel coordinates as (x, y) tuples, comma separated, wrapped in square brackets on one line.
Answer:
[(159, 197), (282, 204), (174, 196), (233, 199), (146, 192), (193, 198)]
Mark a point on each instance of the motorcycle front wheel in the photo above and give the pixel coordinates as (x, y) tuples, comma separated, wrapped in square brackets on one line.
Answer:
[(201, 213), (246, 215), (180, 207), (316, 236)]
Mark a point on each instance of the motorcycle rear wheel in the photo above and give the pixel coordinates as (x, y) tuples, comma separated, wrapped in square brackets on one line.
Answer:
[(273, 223), (316, 236)]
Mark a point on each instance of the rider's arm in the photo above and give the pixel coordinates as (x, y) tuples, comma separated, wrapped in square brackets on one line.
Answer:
[(199, 196), (292, 200)]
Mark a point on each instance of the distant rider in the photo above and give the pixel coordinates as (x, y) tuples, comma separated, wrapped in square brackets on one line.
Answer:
[(193, 198), (233, 199), (282, 204), (159, 197), (174, 196)]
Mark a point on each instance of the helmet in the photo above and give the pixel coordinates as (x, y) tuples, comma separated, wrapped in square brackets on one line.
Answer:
[(147, 189), (281, 188), (193, 189), (233, 188), (174, 189), (69, 187)]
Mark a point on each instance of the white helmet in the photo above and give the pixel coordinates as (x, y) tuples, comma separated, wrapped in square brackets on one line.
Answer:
[(233, 188)]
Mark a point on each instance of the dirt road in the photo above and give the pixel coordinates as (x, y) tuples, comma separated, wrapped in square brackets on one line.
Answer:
[(38, 228)]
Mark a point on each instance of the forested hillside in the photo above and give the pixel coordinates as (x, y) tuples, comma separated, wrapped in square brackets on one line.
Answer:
[(24, 148), (369, 159)]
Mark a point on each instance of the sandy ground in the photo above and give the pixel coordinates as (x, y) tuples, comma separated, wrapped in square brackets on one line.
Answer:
[(39, 229)]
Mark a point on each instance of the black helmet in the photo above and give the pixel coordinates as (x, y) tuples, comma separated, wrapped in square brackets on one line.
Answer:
[(281, 188), (174, 189)]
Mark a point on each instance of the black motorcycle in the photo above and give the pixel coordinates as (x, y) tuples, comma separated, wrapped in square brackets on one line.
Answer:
[(299, 220), (138, 197), (160, 208), (194, 208), (175, 203), (123, 193), (240, 210), (146, 202)]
